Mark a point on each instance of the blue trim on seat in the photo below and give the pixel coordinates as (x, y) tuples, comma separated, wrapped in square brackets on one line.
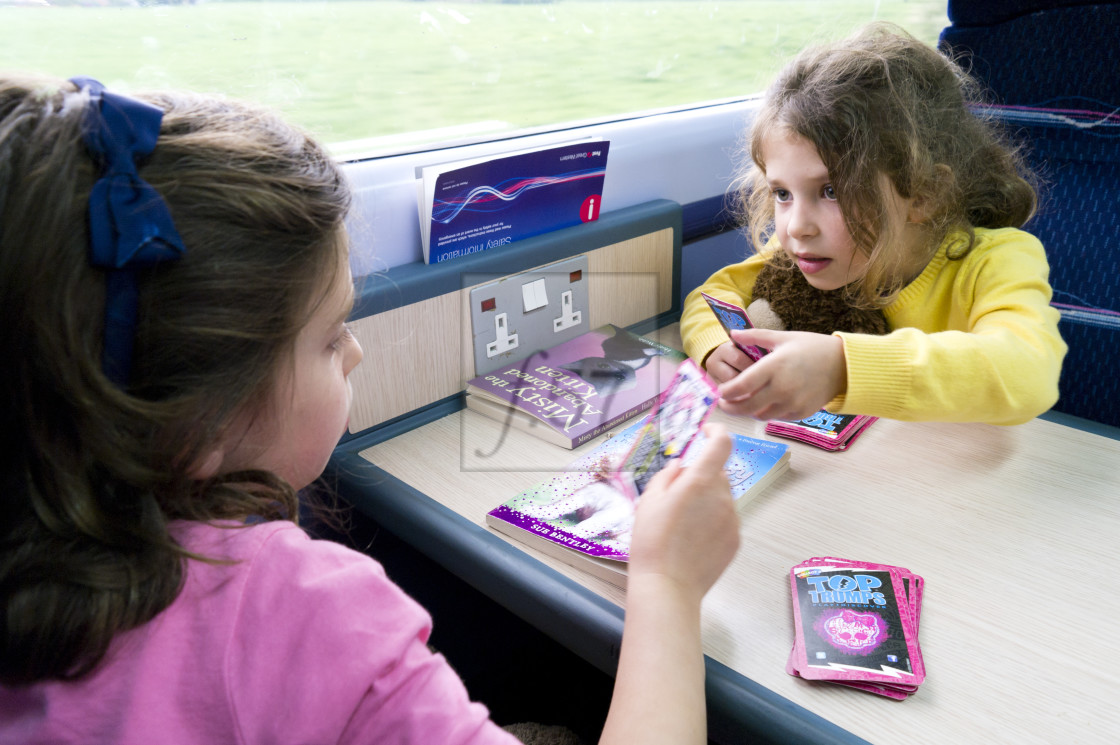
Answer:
[(1105, 319), (1064, 111)]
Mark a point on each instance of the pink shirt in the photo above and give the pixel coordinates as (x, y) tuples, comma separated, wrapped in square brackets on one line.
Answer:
[(302, 641)]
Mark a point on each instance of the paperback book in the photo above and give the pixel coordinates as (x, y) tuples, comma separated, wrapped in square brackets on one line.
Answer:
[(577, 390), (582, 518), (472, 206)]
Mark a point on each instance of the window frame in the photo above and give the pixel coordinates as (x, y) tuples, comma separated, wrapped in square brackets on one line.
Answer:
[(688, 154)]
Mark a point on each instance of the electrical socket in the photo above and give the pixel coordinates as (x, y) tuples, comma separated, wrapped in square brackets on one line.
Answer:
[(524, 313)]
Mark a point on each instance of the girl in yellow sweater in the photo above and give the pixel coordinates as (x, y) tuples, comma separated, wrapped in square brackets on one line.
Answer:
[(872, 176)]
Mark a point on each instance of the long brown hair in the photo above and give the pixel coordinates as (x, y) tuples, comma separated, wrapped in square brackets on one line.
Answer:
[(92, 473), (883, 107)]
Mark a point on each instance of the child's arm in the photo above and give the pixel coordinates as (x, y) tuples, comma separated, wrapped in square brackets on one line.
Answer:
[(998, 358), (686, 532)]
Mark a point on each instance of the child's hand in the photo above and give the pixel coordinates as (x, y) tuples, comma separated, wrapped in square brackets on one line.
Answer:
[(802, 373), (725, 362), (686, 528)]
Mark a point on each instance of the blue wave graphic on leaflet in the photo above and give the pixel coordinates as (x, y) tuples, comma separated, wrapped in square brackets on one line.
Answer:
[(493, 198)]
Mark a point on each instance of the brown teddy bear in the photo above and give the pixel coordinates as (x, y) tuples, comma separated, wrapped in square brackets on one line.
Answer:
[(785, 301)]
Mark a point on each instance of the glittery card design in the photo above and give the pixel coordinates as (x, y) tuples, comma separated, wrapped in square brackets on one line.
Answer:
[(852, 632)]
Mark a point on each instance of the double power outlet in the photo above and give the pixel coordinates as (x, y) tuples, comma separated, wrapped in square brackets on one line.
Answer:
[(524, 313)]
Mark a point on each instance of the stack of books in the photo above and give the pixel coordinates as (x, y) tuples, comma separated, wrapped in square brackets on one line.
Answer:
[(577, 390), (583, 516)]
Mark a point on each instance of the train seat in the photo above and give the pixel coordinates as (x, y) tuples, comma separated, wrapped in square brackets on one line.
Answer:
[(1052, 70)]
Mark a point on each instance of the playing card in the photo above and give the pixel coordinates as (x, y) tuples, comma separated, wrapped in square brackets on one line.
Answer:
[(855, 624), (669, 430), (733, 317)]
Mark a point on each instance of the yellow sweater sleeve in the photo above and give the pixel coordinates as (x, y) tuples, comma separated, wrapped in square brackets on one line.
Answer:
[(701, 332), (973, 339)]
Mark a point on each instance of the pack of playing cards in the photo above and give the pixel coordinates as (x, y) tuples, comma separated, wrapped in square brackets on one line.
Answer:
[(668, 431), (732, 317), (823, 429), (856, 624)]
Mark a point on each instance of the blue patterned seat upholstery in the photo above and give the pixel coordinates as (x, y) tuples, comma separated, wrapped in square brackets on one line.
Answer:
[(1054, 73)]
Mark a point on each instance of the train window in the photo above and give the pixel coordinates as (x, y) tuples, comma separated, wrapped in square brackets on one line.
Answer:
[(377, 74)]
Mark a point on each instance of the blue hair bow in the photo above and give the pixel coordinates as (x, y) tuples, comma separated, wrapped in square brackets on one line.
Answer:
[(130, 226)]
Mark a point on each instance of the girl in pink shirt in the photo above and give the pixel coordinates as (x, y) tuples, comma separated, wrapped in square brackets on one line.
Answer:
[(175, 289)]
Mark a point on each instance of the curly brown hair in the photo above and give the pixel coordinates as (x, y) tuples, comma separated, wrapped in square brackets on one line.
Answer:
[(883, 104), (92, 474)]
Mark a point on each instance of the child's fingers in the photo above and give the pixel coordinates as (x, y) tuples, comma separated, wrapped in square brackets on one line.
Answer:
[(736, 358), (750, 395), (720, 371), (745, 386), (717, 447), (686, 528), (759, 396), (765, 338), (725, 362), (713, 456), (665, 477), (764, 411)]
